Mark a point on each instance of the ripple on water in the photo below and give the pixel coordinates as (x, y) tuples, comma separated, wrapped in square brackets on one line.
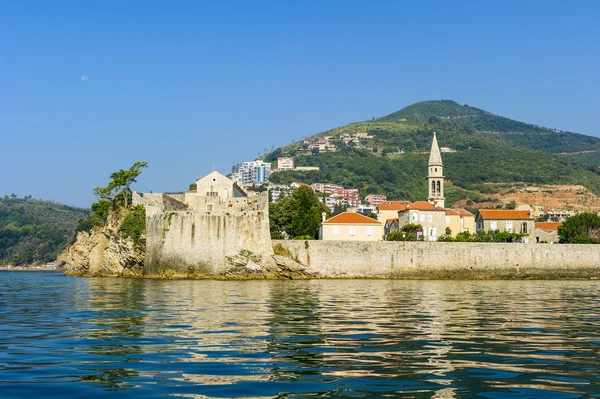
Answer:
[(62, 336)]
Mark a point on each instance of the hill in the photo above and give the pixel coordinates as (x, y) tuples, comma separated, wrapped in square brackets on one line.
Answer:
[(34, 231), (389, 155)]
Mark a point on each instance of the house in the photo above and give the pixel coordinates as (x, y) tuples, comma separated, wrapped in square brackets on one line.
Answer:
[(512, 221), (285, 163), (375, 199), (298, 184), (546, 232), (349, 226), (391, 225), (460, 221), (389, 209), (428, 215)]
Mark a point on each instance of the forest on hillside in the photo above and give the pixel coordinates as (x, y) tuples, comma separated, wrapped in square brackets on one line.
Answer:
[(34, 231)]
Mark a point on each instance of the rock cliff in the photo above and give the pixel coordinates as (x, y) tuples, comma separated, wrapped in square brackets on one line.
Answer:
[(103, 252)]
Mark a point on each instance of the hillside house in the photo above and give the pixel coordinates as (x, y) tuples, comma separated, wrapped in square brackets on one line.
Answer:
[(389, 210), (460, 221)]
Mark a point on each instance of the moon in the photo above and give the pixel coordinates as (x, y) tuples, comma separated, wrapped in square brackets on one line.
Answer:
[(84, 78)]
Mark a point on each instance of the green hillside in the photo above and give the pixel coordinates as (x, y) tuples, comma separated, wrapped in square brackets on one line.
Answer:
[(34, 231), (485, 149)]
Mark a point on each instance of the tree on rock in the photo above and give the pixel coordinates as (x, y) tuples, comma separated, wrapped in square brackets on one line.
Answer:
[(580, 229)]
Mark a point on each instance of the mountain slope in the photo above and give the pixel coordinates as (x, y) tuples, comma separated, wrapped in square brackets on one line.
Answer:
[(34, 231), (486, 149)]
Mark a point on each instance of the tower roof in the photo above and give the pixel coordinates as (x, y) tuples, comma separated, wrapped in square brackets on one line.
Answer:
[(435, 158)]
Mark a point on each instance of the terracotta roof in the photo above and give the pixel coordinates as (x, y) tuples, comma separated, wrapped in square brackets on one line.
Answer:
[(392, 205), (463, 212), (191, 191), (424, 206), (504, 214), (351, 218), (452, 212), (390, 221), (548, 226)]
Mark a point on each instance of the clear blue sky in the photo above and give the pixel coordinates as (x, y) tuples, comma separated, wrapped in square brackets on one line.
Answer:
[(188, 85)]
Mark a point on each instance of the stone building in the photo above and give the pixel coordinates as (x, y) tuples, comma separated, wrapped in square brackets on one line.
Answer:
[(512, 221), (546, 232), (350, 226), (428, 215), (203, 230)]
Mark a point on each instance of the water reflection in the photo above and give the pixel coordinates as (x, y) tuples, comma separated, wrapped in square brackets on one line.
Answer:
[(63, 336)]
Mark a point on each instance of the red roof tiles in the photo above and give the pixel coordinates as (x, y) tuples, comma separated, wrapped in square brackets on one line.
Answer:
[(548, 226), (350, 218), (504, 214)]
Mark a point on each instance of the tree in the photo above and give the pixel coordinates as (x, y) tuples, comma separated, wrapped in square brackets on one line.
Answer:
[(583, 228), (120, 185), (297, 215), (511, 205)]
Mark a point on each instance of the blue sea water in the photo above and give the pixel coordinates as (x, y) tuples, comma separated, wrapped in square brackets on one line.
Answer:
[(121, 338)]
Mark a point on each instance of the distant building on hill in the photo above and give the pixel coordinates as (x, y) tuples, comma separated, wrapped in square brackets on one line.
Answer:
[(253, 173), (326, 188), (285, 163), (375, 199)]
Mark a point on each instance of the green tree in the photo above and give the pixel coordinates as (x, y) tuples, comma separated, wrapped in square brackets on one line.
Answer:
[(297, 215), (583, 228)]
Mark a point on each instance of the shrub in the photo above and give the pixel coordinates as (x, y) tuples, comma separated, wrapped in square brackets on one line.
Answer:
[(134, 224)]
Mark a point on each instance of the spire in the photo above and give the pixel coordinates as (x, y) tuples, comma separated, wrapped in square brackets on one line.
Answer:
[(435, 158)]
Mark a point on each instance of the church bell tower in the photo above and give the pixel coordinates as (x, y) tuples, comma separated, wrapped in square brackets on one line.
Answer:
[(435, 175)]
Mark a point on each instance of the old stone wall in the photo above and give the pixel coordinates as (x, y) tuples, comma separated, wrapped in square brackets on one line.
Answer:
[(443, 259), (201, 242)]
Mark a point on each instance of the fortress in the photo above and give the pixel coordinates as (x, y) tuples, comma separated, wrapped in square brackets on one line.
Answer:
[(207, 231)]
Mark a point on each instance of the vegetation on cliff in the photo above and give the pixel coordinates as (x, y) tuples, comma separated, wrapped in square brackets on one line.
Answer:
[(484, 148), (298, 216), (33, 231), (116, 196), (583, 228)]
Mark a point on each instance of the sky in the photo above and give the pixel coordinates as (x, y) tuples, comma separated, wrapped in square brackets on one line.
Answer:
[(88, 88)]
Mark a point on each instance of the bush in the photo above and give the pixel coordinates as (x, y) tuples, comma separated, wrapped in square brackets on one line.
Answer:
[(134, 224)]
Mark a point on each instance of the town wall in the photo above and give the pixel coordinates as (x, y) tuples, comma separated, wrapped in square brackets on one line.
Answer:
[(443, 259), (200, 237)]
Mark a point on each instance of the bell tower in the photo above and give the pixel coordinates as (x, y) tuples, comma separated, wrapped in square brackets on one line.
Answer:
[(435, 175)]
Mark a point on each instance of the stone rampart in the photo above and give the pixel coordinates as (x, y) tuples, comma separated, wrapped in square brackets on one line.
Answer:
[(443, 259), (209, 238)]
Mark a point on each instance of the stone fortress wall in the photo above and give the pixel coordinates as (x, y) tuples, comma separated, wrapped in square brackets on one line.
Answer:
[(190, 234), (443, 259)]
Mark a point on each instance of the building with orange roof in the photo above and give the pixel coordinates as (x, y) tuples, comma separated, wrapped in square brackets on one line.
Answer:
[(546, 232), (389, 209), (512, 221), (459, 221), (431, 217), (350, 226)]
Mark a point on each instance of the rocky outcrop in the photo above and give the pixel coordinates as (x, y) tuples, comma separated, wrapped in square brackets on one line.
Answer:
[(103, 252)]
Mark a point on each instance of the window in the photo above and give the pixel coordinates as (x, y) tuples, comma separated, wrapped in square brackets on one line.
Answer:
[(406, 217), (447, 220), (422, 218), (493, 225), (369, 231), (414, 217), (209, 208), (352, 231), (429, 218), (336, 230), (508, 226), (525, 228)]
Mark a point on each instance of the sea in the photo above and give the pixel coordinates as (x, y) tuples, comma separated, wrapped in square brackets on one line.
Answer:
[(68, 337)]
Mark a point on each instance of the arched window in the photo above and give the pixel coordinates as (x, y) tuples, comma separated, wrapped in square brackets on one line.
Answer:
[(432, 188), (439, 188)]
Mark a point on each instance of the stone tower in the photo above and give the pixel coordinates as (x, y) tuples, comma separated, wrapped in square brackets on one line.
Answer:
[(435, 175)]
